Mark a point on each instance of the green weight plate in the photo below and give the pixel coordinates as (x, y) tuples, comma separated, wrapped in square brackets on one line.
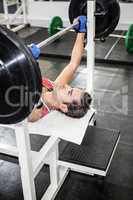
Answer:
[(54, 26), (129, 39)]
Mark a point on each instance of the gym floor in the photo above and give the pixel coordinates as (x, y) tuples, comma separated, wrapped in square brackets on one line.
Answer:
[(114, 103)]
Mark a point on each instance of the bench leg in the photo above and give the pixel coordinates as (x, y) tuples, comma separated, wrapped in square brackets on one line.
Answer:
[(25, 162)]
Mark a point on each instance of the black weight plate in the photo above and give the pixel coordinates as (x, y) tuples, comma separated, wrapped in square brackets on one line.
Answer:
[(107, 15), (106, 24), (19, 68), (33, 71), (27, 68), (76, 8), (101, 18)]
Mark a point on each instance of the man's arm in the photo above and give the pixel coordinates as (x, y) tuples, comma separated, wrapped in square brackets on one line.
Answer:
[(67, 74)]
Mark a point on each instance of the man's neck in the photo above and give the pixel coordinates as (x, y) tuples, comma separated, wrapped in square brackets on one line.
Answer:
[(49, 99)]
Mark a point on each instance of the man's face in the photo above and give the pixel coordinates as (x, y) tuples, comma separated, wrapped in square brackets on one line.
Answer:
[(67, 94)]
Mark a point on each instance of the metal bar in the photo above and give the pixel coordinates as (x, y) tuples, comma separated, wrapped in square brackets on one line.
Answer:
[(40, 161), (90, 47), (117, 36), (24, 11), (8, 150), (111, 49), (18, 28), (5, 4), (16, 14), (114, 45), (56, 36), (63, 172), (82, 169), (113, 154), (60, 29), (11, 3)]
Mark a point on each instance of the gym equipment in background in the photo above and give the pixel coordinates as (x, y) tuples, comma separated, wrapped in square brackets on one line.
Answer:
[(56, 24)]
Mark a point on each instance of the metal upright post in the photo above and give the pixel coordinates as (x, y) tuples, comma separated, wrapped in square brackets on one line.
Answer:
[(5, 6), (90, 45), (24, 11)]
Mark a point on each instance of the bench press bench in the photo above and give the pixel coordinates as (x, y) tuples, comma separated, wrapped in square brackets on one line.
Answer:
[(91, 154)]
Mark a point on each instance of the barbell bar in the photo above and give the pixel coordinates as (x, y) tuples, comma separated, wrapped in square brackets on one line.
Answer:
[(56, 25), (35, 48), (57, 35), (60, 29), (117, 36)]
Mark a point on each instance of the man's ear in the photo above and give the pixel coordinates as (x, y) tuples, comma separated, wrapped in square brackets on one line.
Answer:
[(63, 107)]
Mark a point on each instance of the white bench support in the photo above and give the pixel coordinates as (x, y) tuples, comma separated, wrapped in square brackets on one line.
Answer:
[(31, 162), (25, 161)]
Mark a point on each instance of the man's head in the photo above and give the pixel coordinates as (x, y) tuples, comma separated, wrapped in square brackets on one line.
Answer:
[(74, 102)]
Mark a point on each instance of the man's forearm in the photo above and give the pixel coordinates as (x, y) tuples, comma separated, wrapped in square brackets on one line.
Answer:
[(77, 50), (67, 74)]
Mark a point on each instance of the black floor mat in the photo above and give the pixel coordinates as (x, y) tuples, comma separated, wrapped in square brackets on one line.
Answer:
[(63, 47), (78, 186), (60, 48)]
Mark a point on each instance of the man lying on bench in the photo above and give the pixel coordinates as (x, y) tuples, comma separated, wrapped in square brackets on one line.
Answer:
[(58, 95)]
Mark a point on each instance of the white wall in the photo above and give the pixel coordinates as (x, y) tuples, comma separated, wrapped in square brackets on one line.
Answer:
[(40, 13), (126, 15)]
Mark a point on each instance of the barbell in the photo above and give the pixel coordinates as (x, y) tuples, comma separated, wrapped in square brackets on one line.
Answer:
[(128, 38), (56, 25), (20, 76)]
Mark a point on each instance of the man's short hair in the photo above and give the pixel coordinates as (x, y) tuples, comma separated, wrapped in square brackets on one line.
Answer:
[(77, 110)]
